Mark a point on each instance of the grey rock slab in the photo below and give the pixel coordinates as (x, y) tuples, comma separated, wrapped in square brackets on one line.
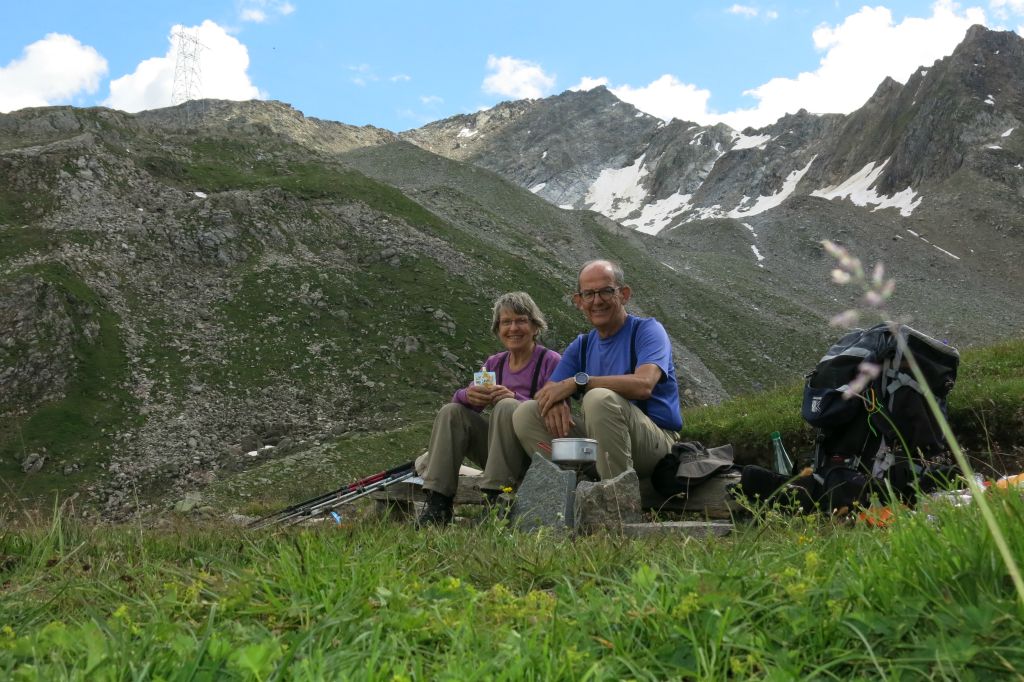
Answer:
[(33, 463), (696, 529), (608, 504), (545, 498)]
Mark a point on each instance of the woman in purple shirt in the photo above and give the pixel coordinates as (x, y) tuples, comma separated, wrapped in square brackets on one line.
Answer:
[(461, 430)]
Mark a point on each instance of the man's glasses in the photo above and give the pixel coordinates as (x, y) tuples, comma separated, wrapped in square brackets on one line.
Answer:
[(606, 294)]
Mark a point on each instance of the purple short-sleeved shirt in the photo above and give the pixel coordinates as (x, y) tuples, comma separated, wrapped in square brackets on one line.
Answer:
[(519, 382)]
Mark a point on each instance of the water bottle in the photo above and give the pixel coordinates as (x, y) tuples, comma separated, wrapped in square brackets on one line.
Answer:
[(781, 463)]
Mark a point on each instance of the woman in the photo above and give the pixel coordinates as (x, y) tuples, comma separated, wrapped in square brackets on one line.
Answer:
[(460, 430)]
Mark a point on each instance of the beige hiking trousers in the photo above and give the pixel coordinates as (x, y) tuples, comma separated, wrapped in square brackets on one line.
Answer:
[(626, 437), (460, 432)]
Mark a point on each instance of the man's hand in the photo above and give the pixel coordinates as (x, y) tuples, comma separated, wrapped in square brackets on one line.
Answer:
[(558, 420), (554, 393)]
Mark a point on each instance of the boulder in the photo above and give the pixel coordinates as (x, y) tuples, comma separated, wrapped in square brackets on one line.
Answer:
[(608, 504), (545, 498)]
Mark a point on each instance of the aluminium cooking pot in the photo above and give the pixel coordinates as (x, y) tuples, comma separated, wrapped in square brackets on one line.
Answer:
[(573, 450)]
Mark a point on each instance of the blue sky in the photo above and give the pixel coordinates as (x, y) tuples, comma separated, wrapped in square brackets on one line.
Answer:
[(398, 65)]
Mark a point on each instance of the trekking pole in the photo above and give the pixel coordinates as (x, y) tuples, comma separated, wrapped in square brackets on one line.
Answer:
[(346, 493)]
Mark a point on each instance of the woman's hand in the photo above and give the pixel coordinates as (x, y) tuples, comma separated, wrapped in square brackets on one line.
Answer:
[(499, 393), (479, 396)]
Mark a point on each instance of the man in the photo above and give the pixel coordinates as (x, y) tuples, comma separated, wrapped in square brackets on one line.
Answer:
[(623, 375)]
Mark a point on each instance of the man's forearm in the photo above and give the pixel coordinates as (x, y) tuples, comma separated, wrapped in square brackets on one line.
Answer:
[(629, 386)]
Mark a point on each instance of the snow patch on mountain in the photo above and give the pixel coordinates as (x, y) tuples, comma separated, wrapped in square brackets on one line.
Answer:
[(618, 192), (757, 255), (742, 141), (857, 188), (656, 216), (765, 203)]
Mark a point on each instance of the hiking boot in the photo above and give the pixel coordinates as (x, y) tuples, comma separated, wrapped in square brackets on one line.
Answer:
[(439, 510)]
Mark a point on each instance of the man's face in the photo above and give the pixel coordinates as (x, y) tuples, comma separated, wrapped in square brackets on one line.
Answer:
[(600, 299)]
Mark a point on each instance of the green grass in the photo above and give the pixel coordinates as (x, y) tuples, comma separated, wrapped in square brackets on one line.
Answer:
[(80, 426), (987, 405), (18, 208), (782, 599), (17, 241)]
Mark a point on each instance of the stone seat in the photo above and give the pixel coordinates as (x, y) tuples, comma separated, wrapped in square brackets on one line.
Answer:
[(709, 499)]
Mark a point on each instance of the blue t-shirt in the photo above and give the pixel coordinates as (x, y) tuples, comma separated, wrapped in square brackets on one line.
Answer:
[(611, 356)]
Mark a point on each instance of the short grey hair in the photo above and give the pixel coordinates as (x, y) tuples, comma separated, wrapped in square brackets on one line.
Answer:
[(617, 274), (518, 303)]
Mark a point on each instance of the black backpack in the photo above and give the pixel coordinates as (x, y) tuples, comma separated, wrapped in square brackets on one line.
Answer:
[(886, 438)]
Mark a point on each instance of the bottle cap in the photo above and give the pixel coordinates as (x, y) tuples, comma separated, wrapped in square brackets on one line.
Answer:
[(776, 435)]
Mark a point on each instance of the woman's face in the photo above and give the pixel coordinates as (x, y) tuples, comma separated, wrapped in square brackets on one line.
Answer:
[(515, 331)]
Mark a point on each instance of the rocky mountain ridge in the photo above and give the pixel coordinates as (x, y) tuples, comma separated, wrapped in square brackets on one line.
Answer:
[(590, 150)]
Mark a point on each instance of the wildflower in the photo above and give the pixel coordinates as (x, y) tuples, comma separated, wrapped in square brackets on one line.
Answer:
[(840, 276), (866, 373), (877, 289), (507, 489), (845, 319)]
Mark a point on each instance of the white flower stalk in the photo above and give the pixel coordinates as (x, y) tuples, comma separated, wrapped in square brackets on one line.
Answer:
[(878, 290)]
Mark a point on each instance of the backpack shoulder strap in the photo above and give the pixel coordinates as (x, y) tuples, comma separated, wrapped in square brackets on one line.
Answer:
[(632, 345), (501, 367), (583, 351), (536, 370), (642, 404)]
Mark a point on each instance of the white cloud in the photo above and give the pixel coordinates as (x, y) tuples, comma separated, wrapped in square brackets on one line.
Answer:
[(222, 65), (743, 11), (261, 11), (749, 12), (400, 78), (1004, 8), (364, 74), (50, 71), (517, 78), (431, 99), (667, 98), (858, 54), (588, 83), (256, 16)]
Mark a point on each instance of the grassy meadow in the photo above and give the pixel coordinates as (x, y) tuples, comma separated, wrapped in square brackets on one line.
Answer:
[(926, 596), (782, 598)]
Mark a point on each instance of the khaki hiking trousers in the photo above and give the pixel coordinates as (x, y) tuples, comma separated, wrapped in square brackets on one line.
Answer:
[(626, 437), (460, 432)]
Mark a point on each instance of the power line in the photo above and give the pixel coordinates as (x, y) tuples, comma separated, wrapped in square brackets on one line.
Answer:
[(188, 81)]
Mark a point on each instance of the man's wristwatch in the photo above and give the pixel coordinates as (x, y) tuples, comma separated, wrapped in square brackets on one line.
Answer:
[(581, 379)]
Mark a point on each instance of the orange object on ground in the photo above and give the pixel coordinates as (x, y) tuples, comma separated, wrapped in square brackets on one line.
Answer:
[(877, 517), (1007, 481)]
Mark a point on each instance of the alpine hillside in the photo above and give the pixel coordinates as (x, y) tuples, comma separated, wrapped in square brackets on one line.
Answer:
[(234, 294)]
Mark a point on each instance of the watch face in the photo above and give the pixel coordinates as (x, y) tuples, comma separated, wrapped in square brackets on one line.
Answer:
[(582, 378)]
